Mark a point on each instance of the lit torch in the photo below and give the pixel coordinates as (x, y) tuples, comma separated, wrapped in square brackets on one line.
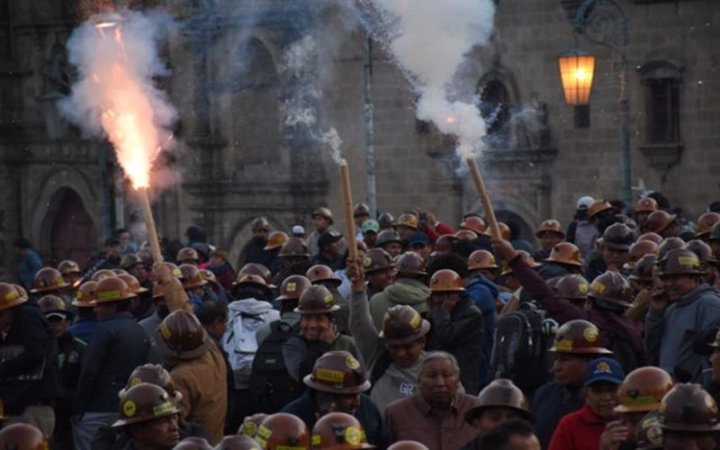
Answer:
[(128, 118)]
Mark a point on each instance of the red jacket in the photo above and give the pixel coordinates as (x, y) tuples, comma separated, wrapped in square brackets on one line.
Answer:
[(580, 430)]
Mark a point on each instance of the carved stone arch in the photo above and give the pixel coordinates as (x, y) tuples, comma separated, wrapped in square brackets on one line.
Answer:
[(506, 208), (61, 182), (498, 96), (504, 76), (661, 68)]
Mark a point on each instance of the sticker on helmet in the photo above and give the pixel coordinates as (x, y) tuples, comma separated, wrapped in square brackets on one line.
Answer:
[(316, 440), (263, 432), (134, 381), (291, 287), (333, 376), (328, 299), (108, 295), (367, 261), (164, 330), (12, 295), (563, 344), (129, 408), (590, 334), (163, 408), (250, 428), (353, 436), (598, 287), (415, 321), (351, 362), (690, 261), (583, 288)]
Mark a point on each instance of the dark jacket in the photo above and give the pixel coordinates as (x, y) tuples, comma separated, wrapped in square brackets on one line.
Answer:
[(367, 413), (549, 404), (254, 252), (108, 438), (461, 333), (118, 346), (620, 333), (30, 331), (483, 293)]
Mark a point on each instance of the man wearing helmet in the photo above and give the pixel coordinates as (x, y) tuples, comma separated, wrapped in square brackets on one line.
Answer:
[(671, 326), (337, 383), (576, 343), (318, 333), (409, 288), (457, 326), (149, 417), (609, 295), (28, 361), (393, 355), (254, 250), (584, 428), (689, 419), (499, 402), (118, 345)]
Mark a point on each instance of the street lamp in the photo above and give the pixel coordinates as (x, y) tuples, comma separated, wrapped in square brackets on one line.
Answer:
[(601, 22), (576, 72)]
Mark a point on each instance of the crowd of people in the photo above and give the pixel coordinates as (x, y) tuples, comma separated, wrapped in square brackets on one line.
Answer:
[(603, 336)]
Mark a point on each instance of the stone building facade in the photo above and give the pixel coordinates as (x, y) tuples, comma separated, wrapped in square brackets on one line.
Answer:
[(238, 157)]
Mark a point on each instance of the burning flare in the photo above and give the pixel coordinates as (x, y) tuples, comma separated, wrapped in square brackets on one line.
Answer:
[(115, 97)]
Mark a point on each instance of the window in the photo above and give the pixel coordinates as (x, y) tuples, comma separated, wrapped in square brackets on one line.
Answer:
[(5, 32), (662, 80), (663, 111), (494, 106)]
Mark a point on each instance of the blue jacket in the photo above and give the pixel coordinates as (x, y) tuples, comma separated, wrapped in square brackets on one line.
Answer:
[(367, 413), (117, 346), (483, 293), (83, 329), (29, 266)]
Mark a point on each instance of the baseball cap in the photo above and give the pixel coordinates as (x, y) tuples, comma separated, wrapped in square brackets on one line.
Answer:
[(584, 202), (604, 369), (298, 230), (328, 237), (370, 226), (417, 238)]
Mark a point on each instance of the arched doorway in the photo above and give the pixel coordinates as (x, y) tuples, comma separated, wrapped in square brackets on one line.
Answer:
[(73, 235), (525, 231)]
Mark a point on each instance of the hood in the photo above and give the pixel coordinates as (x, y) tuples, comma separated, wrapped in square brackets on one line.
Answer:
[(697, 293), (249, 306), (482, 281), (406, 291)]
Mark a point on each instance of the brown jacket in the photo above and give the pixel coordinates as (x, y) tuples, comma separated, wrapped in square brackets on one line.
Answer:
[(413, 419), (203, 383)]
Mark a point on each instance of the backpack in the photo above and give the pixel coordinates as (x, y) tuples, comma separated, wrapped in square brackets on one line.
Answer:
[(519, 350), (241, 344), (271, 387)]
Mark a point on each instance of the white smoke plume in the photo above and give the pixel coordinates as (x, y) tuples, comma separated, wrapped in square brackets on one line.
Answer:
[(429, 40), (301, 108), (115, 97)]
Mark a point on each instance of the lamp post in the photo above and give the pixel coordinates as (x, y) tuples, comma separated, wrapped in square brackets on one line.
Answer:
[(601, 22)]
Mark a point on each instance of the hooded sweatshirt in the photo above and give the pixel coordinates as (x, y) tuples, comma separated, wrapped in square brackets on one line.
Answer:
[(671, 333), (405, 291)]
